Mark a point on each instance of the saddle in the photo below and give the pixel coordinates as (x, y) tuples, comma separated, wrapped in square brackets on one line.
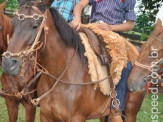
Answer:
[(98, 46), (106, 49)]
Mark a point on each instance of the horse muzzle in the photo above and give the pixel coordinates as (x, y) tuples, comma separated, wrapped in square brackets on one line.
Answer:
[(11, 65)]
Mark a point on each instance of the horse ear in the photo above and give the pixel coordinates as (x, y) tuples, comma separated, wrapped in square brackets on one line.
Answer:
[(46, 3), (2, 6)]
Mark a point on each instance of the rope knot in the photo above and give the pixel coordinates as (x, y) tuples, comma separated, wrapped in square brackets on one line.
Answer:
[(35, 102), (19, 95)]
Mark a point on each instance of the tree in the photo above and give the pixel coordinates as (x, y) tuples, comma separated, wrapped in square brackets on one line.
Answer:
[(11, 4), (148, 10)]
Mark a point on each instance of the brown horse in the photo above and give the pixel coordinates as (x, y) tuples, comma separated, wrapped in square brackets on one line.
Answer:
[(151, 53), (5, 29), (12, 85), (66, 99), (150, 62)]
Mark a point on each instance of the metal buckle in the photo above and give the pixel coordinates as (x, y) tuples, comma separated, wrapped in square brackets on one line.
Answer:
[(117, 102), (21, 17), (7, 54), (36, 16)]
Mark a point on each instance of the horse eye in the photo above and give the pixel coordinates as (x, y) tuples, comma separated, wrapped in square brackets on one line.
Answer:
[(35, 26)]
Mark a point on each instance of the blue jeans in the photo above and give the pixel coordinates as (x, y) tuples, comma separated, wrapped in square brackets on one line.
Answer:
[(121, 88)]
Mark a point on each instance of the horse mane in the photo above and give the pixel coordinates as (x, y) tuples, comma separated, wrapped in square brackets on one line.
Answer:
[(67, 33)]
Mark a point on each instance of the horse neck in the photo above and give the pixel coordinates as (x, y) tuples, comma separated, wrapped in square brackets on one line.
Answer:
[(56, 52)]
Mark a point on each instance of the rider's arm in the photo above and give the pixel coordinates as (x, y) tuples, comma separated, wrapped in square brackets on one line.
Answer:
[(126, 26), (77, 13)]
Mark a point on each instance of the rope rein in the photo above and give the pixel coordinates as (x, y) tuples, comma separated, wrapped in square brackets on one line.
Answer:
[(149, 68)]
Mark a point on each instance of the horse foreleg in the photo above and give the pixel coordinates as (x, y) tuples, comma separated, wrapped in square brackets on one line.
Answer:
[(113, 117), (43, 118), (30, 112), (132, 105), (104, 119), (77, 118), (12, 108)]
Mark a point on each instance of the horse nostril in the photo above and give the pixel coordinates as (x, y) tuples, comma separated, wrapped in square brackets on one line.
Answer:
[(11, 65), (14, 61)]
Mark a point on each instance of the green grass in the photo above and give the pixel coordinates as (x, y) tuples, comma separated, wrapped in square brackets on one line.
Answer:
[(145, 111)]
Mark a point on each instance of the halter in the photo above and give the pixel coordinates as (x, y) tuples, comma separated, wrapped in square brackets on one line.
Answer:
[(149, 68)]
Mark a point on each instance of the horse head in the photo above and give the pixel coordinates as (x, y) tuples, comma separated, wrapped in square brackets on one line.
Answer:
[(148, 66), (28, 24)]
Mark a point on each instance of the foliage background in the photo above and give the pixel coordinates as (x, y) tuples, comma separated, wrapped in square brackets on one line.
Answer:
[(146, 15), (11, 4)]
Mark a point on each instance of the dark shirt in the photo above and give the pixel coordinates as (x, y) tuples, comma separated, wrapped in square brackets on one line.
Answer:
[(112, 11)]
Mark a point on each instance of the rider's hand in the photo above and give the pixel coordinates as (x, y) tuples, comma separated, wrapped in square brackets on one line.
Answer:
[(76, 24), (105, 26)]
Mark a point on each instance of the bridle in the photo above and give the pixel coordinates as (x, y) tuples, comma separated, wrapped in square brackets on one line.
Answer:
[(161, 41), (27, 54), (36, 44), (149, 68)]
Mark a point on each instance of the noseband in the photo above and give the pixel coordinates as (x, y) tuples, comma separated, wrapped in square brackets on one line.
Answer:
[(149, 68)]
